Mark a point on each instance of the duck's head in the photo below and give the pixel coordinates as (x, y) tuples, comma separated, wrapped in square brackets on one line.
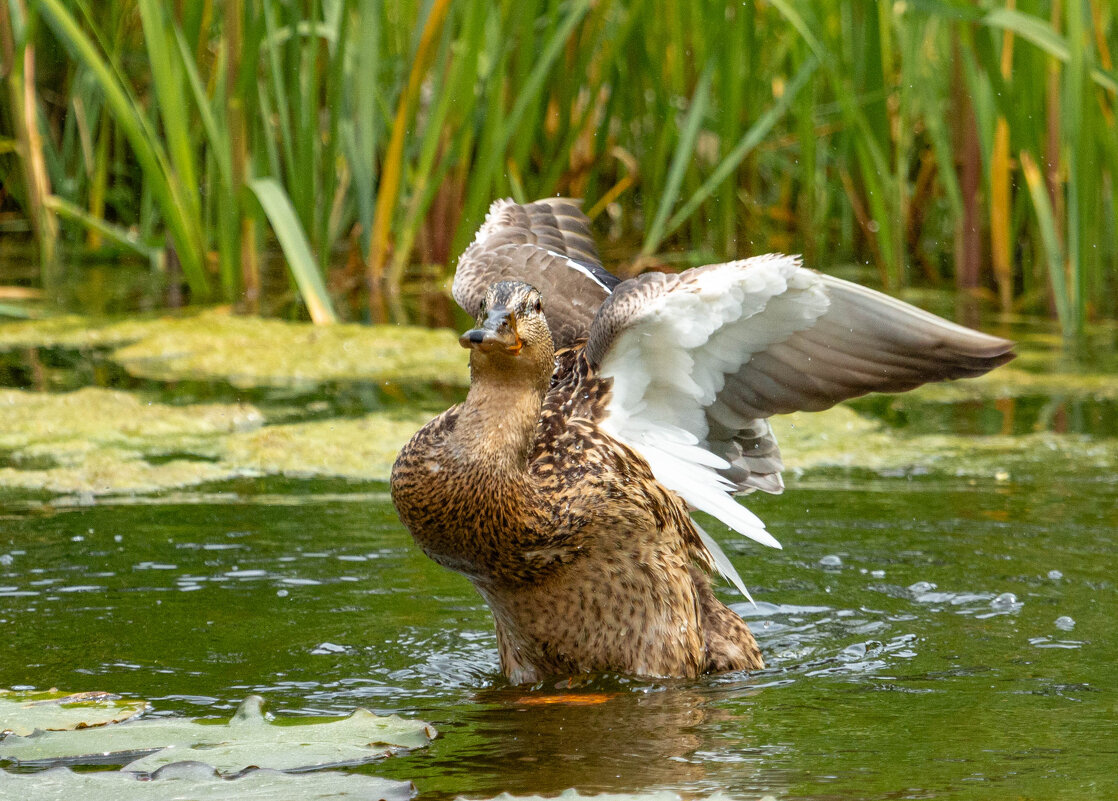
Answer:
[(512, 336)]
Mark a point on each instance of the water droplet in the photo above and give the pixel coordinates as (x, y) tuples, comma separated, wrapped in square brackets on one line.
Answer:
[(281, 593), (6, 559), (1055, 575), (877, 573), (921, 587), (853, 653), (329, 648), (831, 560), (1065, 623), (1006, 600)]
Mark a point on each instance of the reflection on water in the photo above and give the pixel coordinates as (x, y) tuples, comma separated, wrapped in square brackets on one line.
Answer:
[(65, 369), (1077, 413), (540, 740), (924, 637)]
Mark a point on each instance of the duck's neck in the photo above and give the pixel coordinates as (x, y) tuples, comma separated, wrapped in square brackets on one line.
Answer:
[(497, 421)]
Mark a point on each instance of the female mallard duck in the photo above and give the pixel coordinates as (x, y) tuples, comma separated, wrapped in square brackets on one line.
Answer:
[(600, 411)]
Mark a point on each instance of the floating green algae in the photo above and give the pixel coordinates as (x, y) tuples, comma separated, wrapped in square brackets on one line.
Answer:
[(840, 438), (71, 331), (105, 416), (575, 795), (250, 351), (1011, 382), (99, 441), (361, 448), (107, 441), (254, 352)]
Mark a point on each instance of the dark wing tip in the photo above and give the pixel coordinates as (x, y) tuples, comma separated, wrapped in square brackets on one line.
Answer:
[(994, 354)]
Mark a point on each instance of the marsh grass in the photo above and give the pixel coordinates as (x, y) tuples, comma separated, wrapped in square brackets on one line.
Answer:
[(938, 141)]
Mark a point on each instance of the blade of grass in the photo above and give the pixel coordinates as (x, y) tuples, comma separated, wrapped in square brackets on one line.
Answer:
[(426, 175), (120, 235), (1040, 33), (167, 80), (1000, 216), (334, 180), (389, 187), (1077, 152), (683, 155), (300, 261), (492, 158), (16, 29), (753, 137), (1053, 249), (221, 149), (145, 143)]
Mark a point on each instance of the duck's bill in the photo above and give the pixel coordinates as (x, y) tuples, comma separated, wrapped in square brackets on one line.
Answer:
[(497, 333)]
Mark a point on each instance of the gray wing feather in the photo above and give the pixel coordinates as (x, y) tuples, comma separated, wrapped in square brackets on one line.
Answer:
[(546, 244), (554, 224), (863, 341)]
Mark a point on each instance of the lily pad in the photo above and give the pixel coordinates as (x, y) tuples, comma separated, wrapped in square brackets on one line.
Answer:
[(248, 740), (199, 782), (21, 713)]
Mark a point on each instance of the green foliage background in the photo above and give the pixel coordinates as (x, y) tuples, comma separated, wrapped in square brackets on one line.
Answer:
[(942, 141)]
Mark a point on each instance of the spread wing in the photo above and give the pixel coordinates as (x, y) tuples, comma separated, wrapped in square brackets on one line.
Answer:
[(546, 244), (700, 360)]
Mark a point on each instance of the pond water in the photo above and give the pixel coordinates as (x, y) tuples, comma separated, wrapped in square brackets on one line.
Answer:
[(929, 635)]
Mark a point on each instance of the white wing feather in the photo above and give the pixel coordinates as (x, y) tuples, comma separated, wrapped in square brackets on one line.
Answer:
[(722, 562), (670, 363)]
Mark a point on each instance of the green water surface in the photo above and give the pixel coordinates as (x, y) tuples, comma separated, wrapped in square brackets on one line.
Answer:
[(929, 633)]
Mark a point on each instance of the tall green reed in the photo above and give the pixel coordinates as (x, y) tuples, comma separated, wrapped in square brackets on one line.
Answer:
[(931, 139)]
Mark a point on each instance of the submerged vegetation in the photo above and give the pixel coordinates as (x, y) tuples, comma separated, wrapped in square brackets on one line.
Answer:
[(940, 141)]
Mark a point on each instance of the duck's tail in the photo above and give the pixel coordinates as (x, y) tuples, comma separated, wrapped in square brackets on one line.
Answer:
[(728, 643)]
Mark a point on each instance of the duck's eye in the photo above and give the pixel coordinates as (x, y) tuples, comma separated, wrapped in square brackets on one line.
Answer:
[(537, 306)]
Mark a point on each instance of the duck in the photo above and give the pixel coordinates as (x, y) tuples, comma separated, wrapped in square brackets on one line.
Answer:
[(602, 413)]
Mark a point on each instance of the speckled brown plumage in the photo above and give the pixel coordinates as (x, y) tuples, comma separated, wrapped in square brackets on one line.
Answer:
[(562, 486), (586, 561)]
